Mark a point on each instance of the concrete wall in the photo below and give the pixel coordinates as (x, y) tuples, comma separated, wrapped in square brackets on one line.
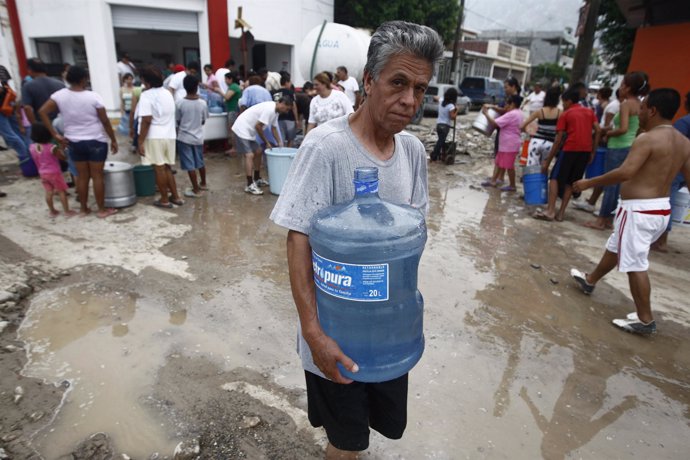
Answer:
[(8, 55), (281, 24), (92, 20)]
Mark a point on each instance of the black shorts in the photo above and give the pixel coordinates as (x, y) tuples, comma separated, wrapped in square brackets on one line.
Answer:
[(570, 167), (347, 411)]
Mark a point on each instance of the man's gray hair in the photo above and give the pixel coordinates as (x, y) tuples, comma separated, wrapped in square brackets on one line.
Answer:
[(398, 38)]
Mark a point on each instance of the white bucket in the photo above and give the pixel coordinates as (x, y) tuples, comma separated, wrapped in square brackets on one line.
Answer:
[(278, 161), (482, 125), (680, 207)]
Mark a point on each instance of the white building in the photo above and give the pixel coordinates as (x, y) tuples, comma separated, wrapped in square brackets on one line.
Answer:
[(94, 33), (494, 59)]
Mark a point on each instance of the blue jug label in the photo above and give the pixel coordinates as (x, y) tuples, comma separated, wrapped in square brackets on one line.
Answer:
[(360, 283)]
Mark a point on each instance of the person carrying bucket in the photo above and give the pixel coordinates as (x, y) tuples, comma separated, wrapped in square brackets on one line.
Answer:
[(547, 117), (573, 132), (508, 142)]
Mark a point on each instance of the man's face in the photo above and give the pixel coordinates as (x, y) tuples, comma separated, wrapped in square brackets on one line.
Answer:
[(567, 103), (208, 71), (397, 94), (537, 89), (340, 74), (192, 72)]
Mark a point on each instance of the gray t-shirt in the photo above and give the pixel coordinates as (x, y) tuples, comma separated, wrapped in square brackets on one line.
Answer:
[(191, 114), (321, 175)]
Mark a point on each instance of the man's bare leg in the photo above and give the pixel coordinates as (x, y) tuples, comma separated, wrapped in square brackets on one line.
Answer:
[(641, 289), (567, 193), (333, 453), (553, 196), (607, 263)]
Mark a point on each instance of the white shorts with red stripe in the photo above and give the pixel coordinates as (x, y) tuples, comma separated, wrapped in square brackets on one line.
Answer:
[(638, 224)]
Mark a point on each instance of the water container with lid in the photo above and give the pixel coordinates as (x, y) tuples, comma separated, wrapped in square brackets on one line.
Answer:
[(365, 256)]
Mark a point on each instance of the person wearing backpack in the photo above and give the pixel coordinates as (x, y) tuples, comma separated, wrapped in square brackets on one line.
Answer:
[(9, 128)]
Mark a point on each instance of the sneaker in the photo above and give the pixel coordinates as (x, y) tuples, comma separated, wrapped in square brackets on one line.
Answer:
[(581, 279), (633, 316), (253, 189), (261, 182), (189, 193), (635, 326), (583, 206)]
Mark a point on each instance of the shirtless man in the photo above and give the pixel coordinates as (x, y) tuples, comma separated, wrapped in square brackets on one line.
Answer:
[(644, 208)]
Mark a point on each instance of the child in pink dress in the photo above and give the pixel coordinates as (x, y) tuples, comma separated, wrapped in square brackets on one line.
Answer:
[(45, 154), (509, 141)]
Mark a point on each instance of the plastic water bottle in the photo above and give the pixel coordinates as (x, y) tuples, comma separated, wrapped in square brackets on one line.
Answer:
[(365, 255)]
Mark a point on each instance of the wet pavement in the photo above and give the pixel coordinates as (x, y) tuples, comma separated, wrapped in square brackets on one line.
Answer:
[(178, 325)]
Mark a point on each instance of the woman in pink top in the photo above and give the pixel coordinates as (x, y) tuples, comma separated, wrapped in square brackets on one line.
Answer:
[(86, 125), (46, 155), (508, 141)]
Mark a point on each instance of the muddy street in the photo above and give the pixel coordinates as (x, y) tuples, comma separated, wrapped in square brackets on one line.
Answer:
[(171, 329)]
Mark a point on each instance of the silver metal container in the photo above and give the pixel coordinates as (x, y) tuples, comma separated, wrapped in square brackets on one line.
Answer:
[(482, 125), (119, 184)]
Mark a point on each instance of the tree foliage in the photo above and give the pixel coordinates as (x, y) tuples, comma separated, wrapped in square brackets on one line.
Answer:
[(440, 15), (549, 71), (615, 36)]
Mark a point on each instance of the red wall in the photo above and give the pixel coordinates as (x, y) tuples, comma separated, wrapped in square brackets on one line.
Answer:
[(664, 53), (218, 32)]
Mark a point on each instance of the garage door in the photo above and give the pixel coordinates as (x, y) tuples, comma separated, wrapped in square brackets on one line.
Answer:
[(130, 17)]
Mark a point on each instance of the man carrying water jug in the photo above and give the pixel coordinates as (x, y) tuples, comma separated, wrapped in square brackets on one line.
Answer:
[(644, 207), (400, 63)]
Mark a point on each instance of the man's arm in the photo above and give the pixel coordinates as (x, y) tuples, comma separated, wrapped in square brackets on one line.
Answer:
[(325, 351), (260, 131), (276, 136), (358, 99), (639, 154)]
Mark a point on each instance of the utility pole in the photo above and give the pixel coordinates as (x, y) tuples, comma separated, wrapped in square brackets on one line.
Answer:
[(585, 42), (456, 45)]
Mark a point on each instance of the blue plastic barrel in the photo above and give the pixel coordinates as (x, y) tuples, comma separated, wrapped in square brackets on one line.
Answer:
[(535, 188), (597, 167), (278, 161)]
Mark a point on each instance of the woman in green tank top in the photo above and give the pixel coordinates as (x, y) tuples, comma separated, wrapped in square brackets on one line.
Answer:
[(620, 137)]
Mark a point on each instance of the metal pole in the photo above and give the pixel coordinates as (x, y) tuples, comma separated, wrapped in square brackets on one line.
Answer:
[(458, 39)]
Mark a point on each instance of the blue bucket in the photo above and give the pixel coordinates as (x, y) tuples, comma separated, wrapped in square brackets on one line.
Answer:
[(535, 188), (597, 167), (28, 167), (278, 161)]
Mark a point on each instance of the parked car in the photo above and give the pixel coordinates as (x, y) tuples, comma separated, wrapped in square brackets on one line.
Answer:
[(482, 90), (438, 90)]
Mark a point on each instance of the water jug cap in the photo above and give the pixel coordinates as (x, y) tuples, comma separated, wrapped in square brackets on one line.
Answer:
[(366, 174)]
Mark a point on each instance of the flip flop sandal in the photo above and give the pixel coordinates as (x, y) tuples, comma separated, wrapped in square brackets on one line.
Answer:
[(158, 204), (508, 188), (541, 216)]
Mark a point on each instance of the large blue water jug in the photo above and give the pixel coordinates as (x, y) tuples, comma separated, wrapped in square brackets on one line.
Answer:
[(365, 254)]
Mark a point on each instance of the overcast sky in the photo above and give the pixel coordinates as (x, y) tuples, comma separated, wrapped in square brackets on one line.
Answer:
[(521, 14)]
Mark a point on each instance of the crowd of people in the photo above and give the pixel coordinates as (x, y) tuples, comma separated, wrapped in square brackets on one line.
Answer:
[(647, 160), (161, 131)]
